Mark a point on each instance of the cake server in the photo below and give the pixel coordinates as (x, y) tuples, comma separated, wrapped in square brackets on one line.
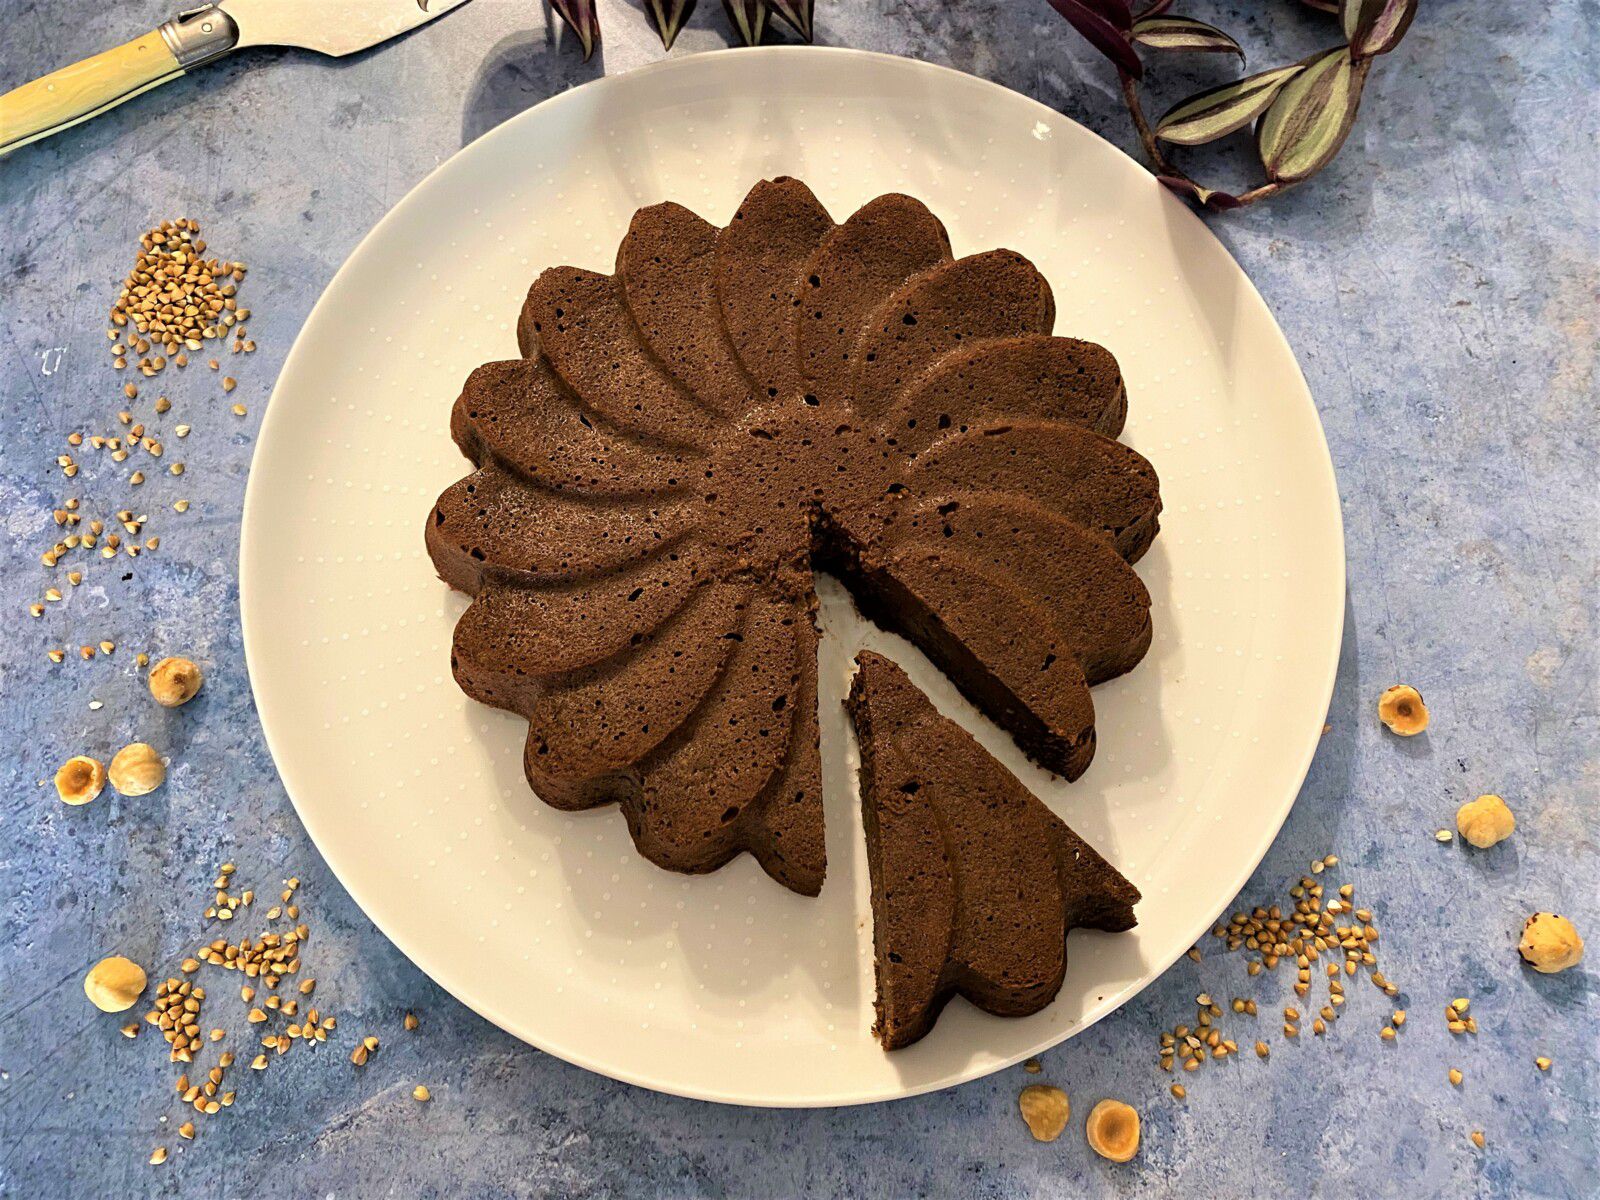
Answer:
[(195, 37)]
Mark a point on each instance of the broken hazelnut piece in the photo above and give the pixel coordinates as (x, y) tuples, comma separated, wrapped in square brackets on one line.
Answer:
[(1113, 1130), (114, 984), (1550, 943), (137, 770), (174, 681), (1402, 710), (80, 779), (1046, 1110), (1485, 821)]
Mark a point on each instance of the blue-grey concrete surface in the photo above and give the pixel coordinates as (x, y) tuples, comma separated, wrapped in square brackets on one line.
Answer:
[(1439, 284)]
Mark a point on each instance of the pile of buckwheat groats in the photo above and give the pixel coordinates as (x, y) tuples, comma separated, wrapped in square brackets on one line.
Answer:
[(176, 299), (173, 301)]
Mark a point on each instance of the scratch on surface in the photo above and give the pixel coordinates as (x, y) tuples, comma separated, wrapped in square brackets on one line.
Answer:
[(39, 996), (33, 384)]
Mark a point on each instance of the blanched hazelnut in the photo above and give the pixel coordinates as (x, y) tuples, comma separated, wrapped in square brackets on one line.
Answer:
[(137, 770), (80, 779), (1550, 943), (114, 984), (1485, 821), (1114, 1130), (174, 681), (1046, 1109), (1402, 710)]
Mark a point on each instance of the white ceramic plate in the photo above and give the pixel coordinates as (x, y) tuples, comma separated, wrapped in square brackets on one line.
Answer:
[(726, 986)]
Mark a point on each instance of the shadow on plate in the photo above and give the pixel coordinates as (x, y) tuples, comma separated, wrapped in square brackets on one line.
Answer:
[(521, 70)]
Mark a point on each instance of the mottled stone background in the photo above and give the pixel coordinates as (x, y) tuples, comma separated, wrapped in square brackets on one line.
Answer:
[(1439, 285)]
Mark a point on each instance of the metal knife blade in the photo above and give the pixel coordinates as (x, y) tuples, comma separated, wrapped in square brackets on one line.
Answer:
[(335, 27)]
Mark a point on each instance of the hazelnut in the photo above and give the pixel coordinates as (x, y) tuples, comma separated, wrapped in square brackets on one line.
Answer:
[(137, 770), (1402, 710), (1113, 1130), (80, 779), (174, 681), (113, 984), (1046, 1109), (1550, 943), (1485, 821)]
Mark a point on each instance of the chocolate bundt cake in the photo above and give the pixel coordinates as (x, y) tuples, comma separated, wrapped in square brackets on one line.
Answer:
[(688, 438), (975, 883)]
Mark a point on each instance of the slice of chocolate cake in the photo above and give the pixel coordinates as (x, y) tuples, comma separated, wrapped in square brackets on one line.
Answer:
[(667, 266), (995, 294), (1054, 378), (975, 883), (761, 259), (687, 440), (858, 266), (1092, 481)]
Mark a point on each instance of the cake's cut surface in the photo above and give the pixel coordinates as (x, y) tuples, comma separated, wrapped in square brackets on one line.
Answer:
[(975, 883), (686, 439)]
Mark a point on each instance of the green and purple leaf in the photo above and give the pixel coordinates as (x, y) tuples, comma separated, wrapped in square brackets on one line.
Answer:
[(1184, 33), (585, 22), (1327, 6), (796, 14), (1102, 32), (668, 17), (1376, 26), (749, 18), (1311, 116), (1218, 111)]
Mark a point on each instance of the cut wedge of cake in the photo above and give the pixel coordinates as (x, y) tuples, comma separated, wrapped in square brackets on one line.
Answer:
[(975, 883)]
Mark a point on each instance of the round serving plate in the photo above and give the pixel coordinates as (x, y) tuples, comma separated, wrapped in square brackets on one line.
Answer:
[(725, 986)]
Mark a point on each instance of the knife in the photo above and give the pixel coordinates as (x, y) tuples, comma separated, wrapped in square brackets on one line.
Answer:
[(201, 35)]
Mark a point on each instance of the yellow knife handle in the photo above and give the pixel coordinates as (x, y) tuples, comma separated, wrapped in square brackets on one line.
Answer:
[(83, 90), (86, 89)]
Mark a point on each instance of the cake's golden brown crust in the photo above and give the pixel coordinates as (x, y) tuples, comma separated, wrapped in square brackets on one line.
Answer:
[(684, 440)]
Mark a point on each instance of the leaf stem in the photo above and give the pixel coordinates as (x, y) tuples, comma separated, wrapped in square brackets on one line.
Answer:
[(1130, 97), (1263, 192)]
